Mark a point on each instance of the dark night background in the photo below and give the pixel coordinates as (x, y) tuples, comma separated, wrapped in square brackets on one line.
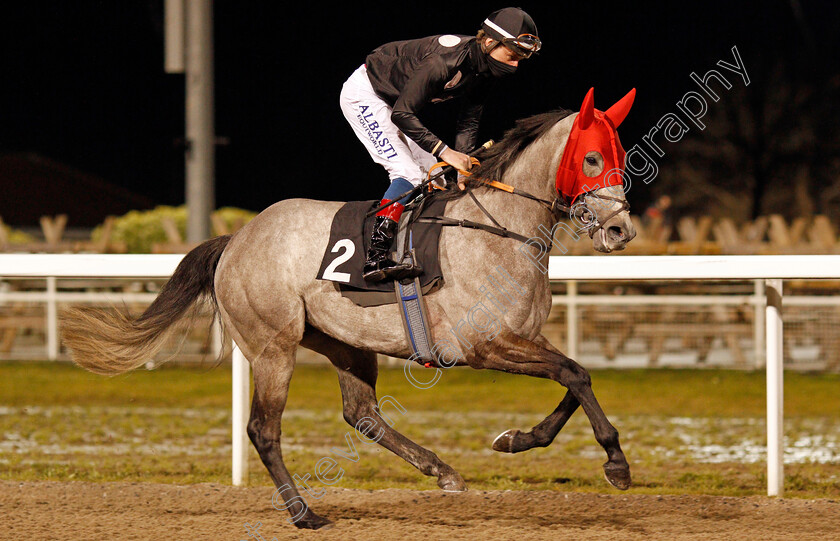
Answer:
[(83, 85)]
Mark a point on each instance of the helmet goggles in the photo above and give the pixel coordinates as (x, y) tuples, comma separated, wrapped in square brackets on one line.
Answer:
[(524, 45)]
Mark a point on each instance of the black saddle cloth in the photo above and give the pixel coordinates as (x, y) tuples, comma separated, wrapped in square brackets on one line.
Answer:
[(347, 249)]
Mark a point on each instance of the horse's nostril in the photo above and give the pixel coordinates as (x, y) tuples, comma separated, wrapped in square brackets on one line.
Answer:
[(616, 233)]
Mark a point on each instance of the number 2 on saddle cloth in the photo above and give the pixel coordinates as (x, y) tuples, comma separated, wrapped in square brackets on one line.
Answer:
[(350, 232)]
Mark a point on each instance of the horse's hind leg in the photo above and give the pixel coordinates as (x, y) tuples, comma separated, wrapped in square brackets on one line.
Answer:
[(272, 373), (357, 373)]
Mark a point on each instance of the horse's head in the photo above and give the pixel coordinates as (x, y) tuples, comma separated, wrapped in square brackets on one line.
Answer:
[(591, 173)]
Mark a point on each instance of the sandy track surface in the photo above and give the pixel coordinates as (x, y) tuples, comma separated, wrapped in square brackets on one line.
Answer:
[(130, 511)]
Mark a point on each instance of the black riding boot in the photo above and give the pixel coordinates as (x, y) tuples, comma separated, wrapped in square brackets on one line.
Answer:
[(378, 266)]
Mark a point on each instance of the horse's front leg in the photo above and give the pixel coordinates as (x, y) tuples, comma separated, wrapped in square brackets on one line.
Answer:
[(509, 352), (516, 441)]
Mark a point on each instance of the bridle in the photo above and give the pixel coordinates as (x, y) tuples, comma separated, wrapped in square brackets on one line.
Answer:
[(559, 206)]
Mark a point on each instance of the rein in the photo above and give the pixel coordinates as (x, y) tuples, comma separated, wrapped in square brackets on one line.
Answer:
[(557, 207)]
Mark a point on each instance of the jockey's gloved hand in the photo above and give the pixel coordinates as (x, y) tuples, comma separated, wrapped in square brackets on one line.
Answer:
[(458, 160)]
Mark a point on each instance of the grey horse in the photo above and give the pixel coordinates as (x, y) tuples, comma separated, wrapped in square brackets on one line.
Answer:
[(262, 282)]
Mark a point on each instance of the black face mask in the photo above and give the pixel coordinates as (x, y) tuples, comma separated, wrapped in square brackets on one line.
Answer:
[(498, 68), (485, 63)]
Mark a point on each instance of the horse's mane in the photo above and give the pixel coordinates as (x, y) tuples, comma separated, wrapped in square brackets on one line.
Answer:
[(496, 159)]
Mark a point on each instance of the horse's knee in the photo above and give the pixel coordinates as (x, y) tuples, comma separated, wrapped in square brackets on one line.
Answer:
[(255, 434), (354, 415), (584, 378), (262, 436), (253, 430), (574, 375)]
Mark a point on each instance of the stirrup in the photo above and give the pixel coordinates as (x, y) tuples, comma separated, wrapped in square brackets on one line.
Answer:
[(397, 271), (403, 271)]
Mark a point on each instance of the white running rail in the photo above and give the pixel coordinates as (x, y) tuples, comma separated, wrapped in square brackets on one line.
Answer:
[(53, 266), (772, 269)]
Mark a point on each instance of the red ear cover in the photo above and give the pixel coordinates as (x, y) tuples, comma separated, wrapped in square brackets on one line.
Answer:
[(618, 112), (587, 110), (593, 130)]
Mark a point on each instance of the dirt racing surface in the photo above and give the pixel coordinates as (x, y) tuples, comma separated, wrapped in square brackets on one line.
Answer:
[(115, 511)]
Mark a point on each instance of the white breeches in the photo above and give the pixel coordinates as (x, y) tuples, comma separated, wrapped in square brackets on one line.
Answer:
[(370, 118)]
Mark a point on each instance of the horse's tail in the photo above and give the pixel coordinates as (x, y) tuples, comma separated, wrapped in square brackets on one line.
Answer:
[(109, 342)]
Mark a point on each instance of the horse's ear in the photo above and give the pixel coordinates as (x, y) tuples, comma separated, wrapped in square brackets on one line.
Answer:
[(587, 110), (618, 112)]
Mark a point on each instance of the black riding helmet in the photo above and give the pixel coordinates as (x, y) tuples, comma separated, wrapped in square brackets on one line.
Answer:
[(513, 28)]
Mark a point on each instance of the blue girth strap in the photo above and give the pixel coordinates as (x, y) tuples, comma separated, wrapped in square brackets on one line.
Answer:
[(415, 321), (414, 317)]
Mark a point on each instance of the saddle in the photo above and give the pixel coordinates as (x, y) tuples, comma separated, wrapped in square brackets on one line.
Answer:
[(349, 237)]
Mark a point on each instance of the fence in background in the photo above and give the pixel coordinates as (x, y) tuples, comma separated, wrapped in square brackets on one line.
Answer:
[(692, 324), (763, 271), (51, 267), (602, 324)]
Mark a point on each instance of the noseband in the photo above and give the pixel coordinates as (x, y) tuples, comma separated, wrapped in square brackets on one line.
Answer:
[(590, 219)]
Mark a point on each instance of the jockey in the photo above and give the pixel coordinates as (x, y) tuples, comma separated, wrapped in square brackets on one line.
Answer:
[(382, 98)]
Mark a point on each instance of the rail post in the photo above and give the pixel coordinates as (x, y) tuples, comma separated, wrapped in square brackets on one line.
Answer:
[(239, 413), (758, 323), (52, 318), (571, 319), (775, 386)]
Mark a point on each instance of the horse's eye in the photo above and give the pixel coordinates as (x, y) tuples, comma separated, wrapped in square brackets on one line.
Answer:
[(591, 161)]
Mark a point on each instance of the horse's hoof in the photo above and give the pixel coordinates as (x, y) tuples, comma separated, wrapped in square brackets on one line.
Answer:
[(504, 441), (452, 482), (314, 522), (618, 475)]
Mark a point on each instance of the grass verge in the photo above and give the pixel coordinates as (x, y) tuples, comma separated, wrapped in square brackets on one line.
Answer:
[(684, 431)]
